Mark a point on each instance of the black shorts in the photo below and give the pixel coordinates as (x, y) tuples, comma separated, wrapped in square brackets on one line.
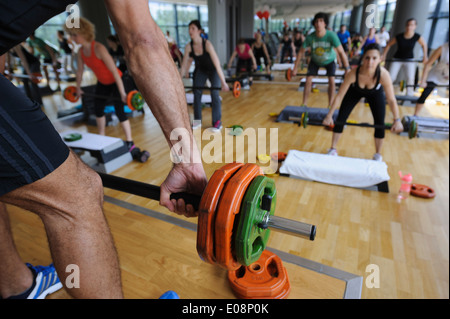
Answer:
[(19, 18), (244, 65), (426, 92), (30, 147), (313, 69)]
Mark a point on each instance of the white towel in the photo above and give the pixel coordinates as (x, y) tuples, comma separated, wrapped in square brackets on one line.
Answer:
[(337, 170)]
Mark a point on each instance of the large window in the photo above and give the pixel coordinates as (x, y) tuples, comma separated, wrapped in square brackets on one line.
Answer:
[(385, 14), (47, 32), (436, 29), (175, 18)]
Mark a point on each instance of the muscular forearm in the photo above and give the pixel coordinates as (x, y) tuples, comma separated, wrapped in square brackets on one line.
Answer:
[(2, 63)]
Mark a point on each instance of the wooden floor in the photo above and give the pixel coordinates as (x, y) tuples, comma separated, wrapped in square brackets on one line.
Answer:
[(409, 242)]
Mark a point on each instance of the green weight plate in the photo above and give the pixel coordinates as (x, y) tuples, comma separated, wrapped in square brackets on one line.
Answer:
[(412, 132), (236, 130), (251, 239), (137, 101), (72, 137), (305, 119)]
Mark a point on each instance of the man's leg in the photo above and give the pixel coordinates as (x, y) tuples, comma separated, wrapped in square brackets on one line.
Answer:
[(331, 89), (15, 277), (70, 203), (307, 90)]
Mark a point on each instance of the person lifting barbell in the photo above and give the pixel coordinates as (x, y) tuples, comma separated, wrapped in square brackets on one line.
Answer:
[(370, 81), (207, 66), (324, 44), (404, 55)]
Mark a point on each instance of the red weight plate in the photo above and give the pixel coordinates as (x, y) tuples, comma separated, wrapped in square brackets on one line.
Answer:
[(207, 210), (229, 206), (422, 191)]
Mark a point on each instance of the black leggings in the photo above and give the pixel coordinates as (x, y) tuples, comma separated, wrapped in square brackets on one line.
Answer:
[(426, 92), (376, 100), (100, 103)]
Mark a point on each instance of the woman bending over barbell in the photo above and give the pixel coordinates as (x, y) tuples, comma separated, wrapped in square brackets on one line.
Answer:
[(370, 81), (109, 77)]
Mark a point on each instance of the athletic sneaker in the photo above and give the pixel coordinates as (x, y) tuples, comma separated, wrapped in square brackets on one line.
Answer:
[(332, 152), (46, 281), (217, 126), (196, 125), (377, 157)]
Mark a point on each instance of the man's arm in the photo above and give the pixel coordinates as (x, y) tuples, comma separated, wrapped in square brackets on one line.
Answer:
[(2, 63), (423, 43), (159, 81)]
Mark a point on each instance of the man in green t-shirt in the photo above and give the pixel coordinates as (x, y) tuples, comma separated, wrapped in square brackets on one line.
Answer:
[(323, 44)]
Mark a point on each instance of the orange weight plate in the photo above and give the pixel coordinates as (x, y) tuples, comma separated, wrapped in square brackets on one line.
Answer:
[(207, 210), (69, 94), (264, 279), (37, 77), (289, 74), (229, 206), (236, 89)]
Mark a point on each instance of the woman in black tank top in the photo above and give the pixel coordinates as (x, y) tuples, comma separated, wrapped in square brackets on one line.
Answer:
[(406, 42), (369, 81), (207, 67)]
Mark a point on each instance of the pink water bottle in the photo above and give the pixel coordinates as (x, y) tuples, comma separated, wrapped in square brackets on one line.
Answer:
[(405, 189)]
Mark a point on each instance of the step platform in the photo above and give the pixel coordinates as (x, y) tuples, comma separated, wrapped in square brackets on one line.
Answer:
[(402, 99), (316, 115), (427, 126), (319, 81), (103, 154), (282, 66), (336, 170)]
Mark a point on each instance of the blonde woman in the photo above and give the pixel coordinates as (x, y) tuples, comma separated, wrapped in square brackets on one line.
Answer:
[(96, 56)]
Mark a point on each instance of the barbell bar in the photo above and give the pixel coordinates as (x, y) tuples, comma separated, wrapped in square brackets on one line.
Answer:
[(288, 75), (304, 121), (135, 100), (235, 89)]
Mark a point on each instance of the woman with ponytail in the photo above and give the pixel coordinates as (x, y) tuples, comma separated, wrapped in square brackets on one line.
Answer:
[(370, 81)]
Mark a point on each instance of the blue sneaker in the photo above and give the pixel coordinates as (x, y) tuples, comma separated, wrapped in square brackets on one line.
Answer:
[(169, 295), (46, 281)]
